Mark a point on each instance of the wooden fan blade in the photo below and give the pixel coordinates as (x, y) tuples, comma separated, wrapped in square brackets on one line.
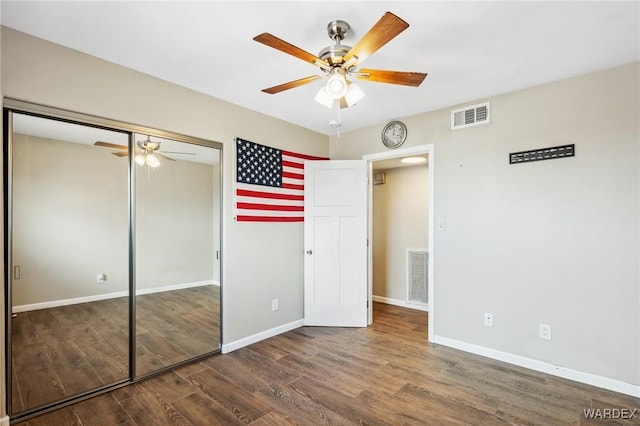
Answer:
[(283, 46), (388, 27), (163, 156), (291, 84), (176, 152), (120, 154), (393, 77), (111, 145)]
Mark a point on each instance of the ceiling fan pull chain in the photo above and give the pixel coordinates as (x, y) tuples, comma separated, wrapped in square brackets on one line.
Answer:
[(339, 118)]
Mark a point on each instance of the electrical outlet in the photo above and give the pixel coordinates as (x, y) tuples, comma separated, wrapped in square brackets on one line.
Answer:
[(274, 305), (101, 278), (488, 319), (545, 331)]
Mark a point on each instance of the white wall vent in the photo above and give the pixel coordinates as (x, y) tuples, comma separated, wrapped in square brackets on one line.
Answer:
[(470, 116), (417, 264)]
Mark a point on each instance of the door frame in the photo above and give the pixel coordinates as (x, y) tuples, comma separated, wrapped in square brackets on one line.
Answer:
[(403, 152)]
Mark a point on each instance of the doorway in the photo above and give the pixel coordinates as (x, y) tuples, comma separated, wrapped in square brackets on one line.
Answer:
[(388, 165)]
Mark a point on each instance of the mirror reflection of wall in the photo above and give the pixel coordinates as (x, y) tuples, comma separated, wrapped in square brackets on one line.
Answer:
[(68, 272), (69, 261)]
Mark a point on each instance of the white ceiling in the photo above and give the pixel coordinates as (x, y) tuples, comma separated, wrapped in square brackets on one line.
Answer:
[(471, 50)]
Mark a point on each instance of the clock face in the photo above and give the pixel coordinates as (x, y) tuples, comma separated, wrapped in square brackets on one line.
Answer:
[(394, 134)]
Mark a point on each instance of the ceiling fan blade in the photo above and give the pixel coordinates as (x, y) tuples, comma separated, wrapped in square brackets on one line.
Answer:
[(388, 27), (163, 156), (111, 145), (393, 77), (290, 85), (120, 154), (283, 46), (176, 152)]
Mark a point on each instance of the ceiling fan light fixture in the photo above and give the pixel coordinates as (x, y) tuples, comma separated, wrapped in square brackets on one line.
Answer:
[(354, 94), (152, 160), (323, 98), (350, 62), (336, 86), (140, 159)]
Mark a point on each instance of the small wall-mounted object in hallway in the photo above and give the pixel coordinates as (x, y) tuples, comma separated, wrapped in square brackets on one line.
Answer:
[(379, 178)]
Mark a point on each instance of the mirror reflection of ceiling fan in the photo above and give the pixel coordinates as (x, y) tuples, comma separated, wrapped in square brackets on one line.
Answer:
[(147, 152), (339, 61)]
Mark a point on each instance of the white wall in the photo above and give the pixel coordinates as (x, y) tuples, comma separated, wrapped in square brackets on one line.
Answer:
[(400, 222), (260, 261), (553, 242)]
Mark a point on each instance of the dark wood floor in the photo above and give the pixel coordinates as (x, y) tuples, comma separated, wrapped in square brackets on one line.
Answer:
[(383, 374), (60, 352)]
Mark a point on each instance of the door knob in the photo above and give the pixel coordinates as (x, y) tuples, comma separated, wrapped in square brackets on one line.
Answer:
[(309, 251)]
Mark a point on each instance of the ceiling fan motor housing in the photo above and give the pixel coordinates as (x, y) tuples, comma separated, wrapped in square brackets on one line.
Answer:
[(334, 54)]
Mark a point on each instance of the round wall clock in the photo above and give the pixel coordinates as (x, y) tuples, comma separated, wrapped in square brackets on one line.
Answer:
[(394, 134)]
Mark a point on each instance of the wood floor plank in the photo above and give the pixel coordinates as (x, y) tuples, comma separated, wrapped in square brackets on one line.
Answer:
[(170, 387), (308, 367), (103, 410), (201, 410), (268, 370), (236, 372), (146, 408), (299, 408), (273, 418), (237, 401), (326, 395)]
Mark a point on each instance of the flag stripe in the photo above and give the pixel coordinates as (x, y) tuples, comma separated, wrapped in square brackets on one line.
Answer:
[(293, 175), (292, 186), (286, 163), (245, 218), (278, 207), (273, 195), (269, 183), (303, 156)]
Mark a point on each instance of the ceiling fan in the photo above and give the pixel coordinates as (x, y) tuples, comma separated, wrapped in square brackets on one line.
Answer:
[(147, 152), (340, 61)]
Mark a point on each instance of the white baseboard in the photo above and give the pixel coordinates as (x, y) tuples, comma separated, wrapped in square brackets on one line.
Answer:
[(4, 421), (230, 347), (543, 367), (402, 303), (105, 296), (172, 287)]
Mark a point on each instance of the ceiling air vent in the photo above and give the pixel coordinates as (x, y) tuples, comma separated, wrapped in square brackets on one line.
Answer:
[(470, 116)]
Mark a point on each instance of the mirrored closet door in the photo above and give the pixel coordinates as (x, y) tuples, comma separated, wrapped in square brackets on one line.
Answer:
[(69, 261), (113, 256), (177, 251)]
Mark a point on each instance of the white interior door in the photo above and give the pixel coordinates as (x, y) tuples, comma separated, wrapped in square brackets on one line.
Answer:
[(335, 237)]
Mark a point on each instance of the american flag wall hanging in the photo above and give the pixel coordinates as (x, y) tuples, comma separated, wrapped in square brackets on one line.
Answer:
[(269, 183)]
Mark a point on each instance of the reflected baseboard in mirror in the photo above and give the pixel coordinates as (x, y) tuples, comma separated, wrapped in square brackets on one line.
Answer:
[(174, 326), (64, 351)]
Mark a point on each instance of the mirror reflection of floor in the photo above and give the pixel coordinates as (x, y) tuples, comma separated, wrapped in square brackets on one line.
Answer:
[(59, 352)]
